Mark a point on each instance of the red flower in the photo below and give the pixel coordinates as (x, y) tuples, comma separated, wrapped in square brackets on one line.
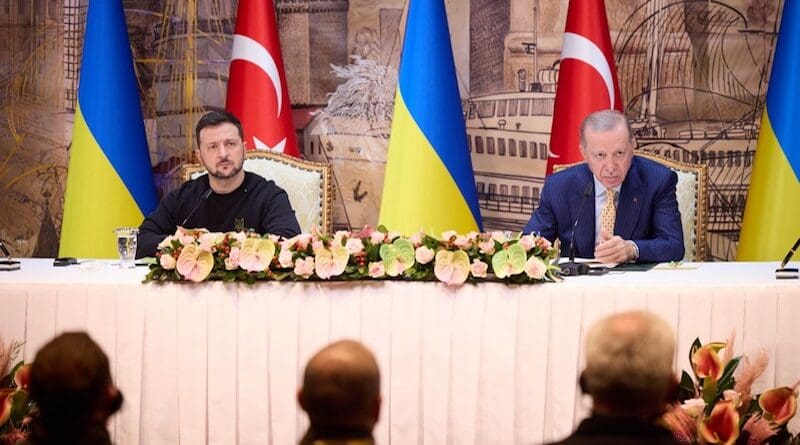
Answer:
[(5, 404), (706, 361), (722, 426), (779, 404)]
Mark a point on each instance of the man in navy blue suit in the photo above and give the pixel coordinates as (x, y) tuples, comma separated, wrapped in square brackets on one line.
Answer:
[(614, 188)]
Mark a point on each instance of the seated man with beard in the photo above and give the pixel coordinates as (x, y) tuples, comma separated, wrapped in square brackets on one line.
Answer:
[(71, 383), (226, 199)]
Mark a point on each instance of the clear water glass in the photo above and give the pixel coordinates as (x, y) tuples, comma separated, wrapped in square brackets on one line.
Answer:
[(126, 246)]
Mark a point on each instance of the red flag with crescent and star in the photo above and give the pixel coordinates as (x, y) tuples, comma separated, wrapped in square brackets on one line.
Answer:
[(257, 90), (587, 79)]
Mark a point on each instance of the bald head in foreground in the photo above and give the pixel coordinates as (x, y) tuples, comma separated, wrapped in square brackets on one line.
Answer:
[(341, 395), (629, 375)]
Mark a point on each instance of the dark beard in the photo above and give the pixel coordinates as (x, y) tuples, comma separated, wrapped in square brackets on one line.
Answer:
[(233, 172)]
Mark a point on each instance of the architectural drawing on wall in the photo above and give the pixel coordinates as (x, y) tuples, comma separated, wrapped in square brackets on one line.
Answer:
[(694, 89)]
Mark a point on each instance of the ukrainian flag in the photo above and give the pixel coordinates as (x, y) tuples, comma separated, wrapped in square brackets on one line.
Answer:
[(772, 214), (429, 183), (109, 181)]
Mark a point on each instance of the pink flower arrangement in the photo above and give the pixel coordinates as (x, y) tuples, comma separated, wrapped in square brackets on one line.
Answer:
[(718, 408), (15, 406), (198, 255)]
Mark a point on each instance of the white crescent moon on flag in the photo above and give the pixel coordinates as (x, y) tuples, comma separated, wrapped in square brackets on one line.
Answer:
[(580, 48), (245, 48)]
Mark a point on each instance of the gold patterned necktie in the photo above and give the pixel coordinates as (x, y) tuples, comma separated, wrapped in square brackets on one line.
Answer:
[(609, 214)]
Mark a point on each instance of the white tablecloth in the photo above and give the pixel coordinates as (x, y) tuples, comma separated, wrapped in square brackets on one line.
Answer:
[(478, 364)]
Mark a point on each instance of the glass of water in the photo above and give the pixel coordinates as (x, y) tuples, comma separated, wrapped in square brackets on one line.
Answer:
[(126, 246)]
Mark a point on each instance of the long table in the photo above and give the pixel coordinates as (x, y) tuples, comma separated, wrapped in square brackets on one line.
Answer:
[(489, 363)]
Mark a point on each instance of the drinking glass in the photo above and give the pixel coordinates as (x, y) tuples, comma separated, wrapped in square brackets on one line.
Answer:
[(126, 246)]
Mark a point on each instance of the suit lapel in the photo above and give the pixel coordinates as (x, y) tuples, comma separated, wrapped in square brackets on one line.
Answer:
[(630, 202), (584, 232)]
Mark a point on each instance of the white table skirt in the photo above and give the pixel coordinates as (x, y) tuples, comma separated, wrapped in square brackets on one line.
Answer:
[(478, 364)]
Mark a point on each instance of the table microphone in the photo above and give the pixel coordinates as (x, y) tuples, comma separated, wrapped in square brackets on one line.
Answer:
[(7, 263), (197, 206), (571, 267), (788, 272)]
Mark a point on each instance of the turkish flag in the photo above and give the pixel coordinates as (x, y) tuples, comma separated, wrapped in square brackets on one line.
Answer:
[(257, 90), (587, 79)]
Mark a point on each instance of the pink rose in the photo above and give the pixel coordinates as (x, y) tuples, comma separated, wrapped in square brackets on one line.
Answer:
[(304, 267), (285, 259), (167, 261), (232, 262), (209, 240), (187, 239), (392, 235), (543, 243), (376, 269), (416, 239), (462, 242), (377, 237), (535, 268), (317, 246), (238, 236), (354, 245), (166, 242), (423, 255), (478, 268), (486, 247), (527, 242), (302, 240), (499, 236), (274, 238), (472, 236), (446, 236)]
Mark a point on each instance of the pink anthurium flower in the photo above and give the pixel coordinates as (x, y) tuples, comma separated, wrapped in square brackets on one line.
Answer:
[(722, 426), (256, 254), (779, 404), (195, 264), (451, 267), (331, 262), (706, 361)]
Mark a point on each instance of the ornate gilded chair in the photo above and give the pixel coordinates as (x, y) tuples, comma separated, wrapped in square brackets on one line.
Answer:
[(308, 184), (692, 194)]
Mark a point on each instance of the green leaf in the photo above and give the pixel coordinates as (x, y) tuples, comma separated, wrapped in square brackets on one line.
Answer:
[(686, 389), (726, 380), (695, 346), (709, 395), (19, 406)]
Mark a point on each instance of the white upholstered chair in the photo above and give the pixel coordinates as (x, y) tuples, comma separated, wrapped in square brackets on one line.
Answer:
[(308, 184), (692, 194)]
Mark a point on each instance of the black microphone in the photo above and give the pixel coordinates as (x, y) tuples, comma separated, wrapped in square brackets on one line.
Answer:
[(197, 206), (7, 263), (788, 272), (571, 267)]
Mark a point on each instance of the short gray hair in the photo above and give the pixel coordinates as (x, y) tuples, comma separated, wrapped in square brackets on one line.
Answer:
[(604, 120), (629, 354)]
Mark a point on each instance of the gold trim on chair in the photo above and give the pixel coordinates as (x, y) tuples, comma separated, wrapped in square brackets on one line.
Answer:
[(701, 197), (190, 170)]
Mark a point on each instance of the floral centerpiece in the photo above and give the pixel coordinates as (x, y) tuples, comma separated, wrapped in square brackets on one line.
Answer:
[(718, 408), (199, 255), (15, 406)]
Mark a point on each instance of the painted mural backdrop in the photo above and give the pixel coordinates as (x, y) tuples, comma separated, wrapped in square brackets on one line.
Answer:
[(693, 73)]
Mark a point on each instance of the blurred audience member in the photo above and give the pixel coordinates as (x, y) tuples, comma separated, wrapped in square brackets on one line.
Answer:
[(341, 394), (71, 384), (629, 375)]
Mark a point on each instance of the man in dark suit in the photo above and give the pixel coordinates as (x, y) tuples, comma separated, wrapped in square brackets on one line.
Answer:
[(341, 394), (616, 207), (630, 377)]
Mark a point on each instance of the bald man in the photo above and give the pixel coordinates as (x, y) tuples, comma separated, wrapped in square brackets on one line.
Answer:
[(629, 374), (341, 395)]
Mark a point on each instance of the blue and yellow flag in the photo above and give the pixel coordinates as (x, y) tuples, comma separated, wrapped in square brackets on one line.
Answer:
[(772, 214), (109, 181), (429, 183)]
